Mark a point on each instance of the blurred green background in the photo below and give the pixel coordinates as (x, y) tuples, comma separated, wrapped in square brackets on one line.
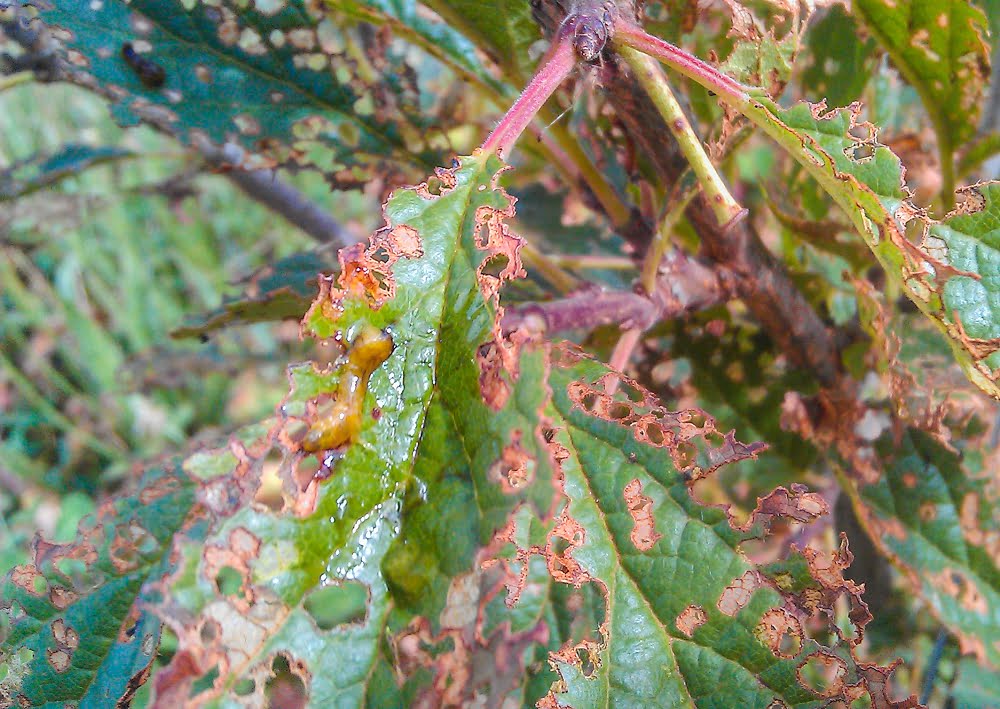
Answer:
[(95, 272)]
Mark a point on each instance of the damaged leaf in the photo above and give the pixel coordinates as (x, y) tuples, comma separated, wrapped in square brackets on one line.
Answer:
[(939, 47), (865, 179), (74, 626), (684, 605), (934, 519), (286, 82), (360, 511)]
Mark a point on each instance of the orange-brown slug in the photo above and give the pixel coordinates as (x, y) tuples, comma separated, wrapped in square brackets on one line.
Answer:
[(342, 421)]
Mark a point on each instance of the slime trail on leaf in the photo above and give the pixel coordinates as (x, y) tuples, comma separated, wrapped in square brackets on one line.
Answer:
[(342, 420)]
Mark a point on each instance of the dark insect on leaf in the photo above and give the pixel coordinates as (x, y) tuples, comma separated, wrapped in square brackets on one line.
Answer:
[(150, 73)]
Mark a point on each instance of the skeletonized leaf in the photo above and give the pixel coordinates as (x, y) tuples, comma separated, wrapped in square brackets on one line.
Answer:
[(932, 517), (75, 627), (865, 179), (938, 46), (285, 81)]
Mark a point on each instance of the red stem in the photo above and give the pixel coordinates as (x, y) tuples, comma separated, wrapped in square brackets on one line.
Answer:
[(557, 63), (631, 35)]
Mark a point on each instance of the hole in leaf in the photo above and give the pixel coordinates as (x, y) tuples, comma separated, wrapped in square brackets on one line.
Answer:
[(715, 439), (654, 434), (589, 401), (338, 605), (686, 455), (285, 689), (494, 265), (823, 674), (631, 392), (205, 682), (587, 665), (229, 581), (435, 186), (620, 410), (244, 687)]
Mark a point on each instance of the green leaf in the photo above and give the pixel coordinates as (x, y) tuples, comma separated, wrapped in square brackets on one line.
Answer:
[(291, 83), (281, 291), (971, 235), (931, 516), (406, 19), (938, 46), (865, 179), (689, 620), (433, 438), (44, 170), (839, 64), (503, 29), (76, 629), (977, 686)]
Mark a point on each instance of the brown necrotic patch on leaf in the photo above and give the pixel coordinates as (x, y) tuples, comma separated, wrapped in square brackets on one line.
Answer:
[(644, 535), (781, 631), (242, 547), (797, 504), (493, 384), (737, 594), (515, 469), (690, 619), (823, 673)]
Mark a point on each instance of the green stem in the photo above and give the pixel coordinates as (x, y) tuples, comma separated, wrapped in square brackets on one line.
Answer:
[(946, 152), (12, 80), (685, 192), (550, 269), (652, 79)]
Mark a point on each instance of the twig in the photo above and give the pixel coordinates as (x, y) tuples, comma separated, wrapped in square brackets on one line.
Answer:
[(933, 664), (265, 187), (556, 66), (683, 194), (11, 80), (628, 34), (684, 286), (757, 277), (647, 70)]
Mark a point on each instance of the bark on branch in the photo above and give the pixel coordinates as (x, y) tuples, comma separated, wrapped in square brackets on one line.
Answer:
[(684, 286)]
